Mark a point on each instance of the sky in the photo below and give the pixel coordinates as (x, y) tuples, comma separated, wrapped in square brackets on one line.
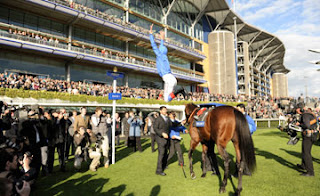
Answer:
[(297, 24)]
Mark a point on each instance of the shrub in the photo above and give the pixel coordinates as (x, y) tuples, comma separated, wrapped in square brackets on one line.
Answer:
[(84, 98)]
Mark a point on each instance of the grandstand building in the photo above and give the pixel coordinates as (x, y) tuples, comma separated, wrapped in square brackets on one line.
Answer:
[(79, 40)]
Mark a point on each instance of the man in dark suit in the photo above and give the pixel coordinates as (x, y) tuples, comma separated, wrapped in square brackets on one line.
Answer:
[(162, 127)]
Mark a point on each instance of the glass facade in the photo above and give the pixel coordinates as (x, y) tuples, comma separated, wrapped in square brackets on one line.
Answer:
[(147, 9), (81, 72), (98, 39), (32, 63), (143, 23), (103, 7), (179, 38), (55, 66), (31, 21), (142, 52)]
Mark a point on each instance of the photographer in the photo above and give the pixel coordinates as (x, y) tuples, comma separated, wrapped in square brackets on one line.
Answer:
[(9, 169), (135, 132), (70, 134), (8, 188), (49, 119), (32, 132), (11, 132), (83, 139), (151, 119), (99, 128), (60, 129), (308, 123)]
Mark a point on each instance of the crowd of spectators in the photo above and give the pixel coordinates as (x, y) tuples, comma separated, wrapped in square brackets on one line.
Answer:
[(79, 46), (115, 19), (30, 136), (258, 106)]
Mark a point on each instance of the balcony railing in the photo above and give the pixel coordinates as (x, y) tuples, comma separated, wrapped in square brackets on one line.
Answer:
[(91, 52), (114, 19)]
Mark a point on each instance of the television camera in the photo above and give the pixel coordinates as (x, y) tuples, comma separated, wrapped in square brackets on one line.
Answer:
[(291, 129)]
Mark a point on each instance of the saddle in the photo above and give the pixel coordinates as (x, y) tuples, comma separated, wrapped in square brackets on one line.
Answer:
[(202, 115)]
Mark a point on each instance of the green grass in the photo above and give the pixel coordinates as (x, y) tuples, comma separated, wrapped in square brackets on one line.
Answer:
[(134, 173)]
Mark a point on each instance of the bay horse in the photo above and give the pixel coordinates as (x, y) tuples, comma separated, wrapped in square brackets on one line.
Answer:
[(223, 124)]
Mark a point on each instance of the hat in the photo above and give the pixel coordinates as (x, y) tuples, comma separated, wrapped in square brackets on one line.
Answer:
[(299, 106)]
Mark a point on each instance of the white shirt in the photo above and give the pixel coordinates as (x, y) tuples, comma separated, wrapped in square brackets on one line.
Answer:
[(164, 117), (95, 120)]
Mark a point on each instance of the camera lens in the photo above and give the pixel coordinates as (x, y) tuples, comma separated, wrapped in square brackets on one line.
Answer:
[(19, 184)]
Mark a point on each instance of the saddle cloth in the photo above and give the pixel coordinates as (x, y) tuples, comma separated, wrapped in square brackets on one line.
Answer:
[(202, 115)]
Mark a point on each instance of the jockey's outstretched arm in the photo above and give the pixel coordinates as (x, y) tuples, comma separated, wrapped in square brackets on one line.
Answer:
[(154, 45)]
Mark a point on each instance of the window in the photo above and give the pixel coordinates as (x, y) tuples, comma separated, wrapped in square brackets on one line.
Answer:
[(58, 28), (31, 21), (16, 18), (4, 13), (44, 25)]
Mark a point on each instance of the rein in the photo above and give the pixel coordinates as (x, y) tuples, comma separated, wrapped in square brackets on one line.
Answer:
[(191, 115)]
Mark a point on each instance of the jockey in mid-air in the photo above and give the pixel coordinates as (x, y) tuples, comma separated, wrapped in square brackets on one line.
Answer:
[(163, 68)]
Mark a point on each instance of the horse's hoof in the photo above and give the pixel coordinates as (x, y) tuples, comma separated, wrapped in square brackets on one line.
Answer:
[(238, 191), (193, 176), (222, 190), (203, 175)]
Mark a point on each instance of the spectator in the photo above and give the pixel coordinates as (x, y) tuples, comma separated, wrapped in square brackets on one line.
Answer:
[(151, 119), (125, 127), (99, 128), (117, 128), (82, 120), (61, 129), (82, 139), (70, 134), (135, 132)]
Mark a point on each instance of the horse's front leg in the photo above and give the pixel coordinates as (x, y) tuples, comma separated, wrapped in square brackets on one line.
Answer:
[(193, 145), (192, 174)]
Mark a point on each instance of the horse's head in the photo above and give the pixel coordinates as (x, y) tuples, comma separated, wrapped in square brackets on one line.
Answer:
[(189, 110)]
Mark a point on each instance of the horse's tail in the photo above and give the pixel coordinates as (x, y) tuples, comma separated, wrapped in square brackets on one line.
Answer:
[(245, 141)]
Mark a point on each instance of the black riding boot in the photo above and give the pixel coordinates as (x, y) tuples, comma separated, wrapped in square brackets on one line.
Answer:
[(182, 91)]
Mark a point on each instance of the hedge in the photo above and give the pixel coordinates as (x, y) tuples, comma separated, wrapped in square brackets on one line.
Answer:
[(13, 93)]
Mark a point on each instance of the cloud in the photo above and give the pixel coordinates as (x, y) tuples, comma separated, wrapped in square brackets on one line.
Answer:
[(244, 5), (311, 10), (254, 11), (296, 59), (296, 23)]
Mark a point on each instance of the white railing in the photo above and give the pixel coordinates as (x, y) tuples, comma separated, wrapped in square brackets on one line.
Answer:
[(279, 121), (91, 52)]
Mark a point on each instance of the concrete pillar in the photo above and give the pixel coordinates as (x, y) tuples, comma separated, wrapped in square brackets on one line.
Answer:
[(222, 73), (126, 5), (69, 37), (67, 72), (279, 85), (126, 80), (127, 51)]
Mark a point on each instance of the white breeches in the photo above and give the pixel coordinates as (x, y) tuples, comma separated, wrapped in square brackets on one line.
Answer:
[(169, 83)]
